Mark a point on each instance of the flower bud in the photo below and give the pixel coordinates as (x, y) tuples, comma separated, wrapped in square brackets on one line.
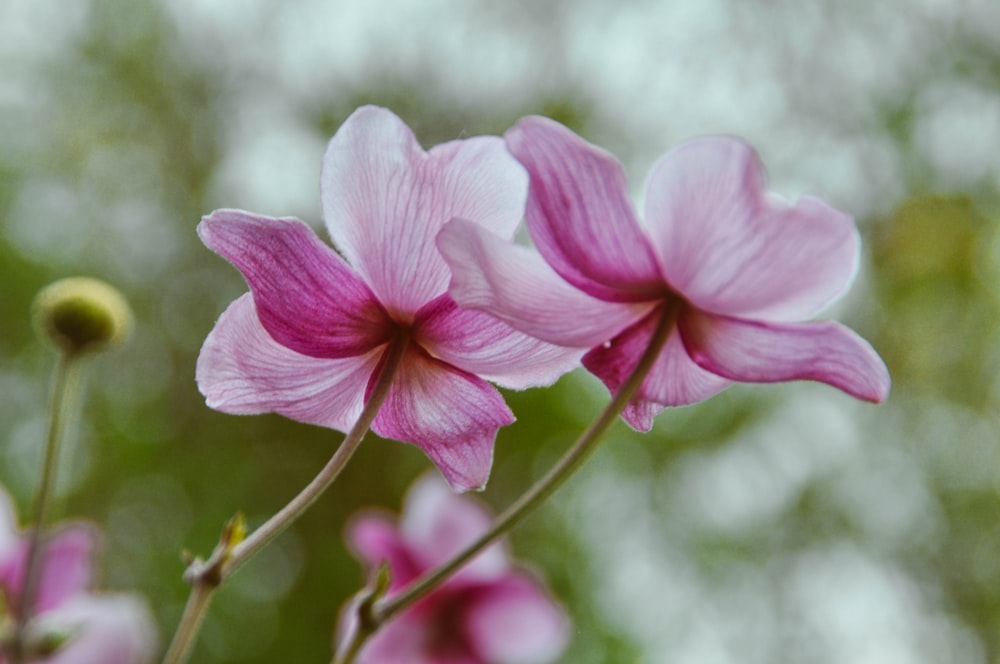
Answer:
[(82, 315)]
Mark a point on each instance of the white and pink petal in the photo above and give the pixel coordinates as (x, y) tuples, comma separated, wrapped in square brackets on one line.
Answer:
[(756, 352), (404, 640), (515, 621), (437, 524), (375, 538), (673, 380), (385, 199), (484, 345), (242, 370), (110, 629), (65, 568), (579, 213), (450, 414), (516, 285), (730, 247), (66, 565), (307, 297)]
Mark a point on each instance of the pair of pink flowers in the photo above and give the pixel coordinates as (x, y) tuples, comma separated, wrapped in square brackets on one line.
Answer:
[(427, 256), (69, 624), (427, 253)]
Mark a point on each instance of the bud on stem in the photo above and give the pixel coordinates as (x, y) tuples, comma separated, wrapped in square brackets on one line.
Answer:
[(82, 315)]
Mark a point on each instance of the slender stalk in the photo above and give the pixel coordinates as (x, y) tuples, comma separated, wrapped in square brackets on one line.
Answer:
[(187, 629), (228, 556), (353, 647), (533, 497), (65, 396)]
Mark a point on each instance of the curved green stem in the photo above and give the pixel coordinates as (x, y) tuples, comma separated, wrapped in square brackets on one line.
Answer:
[(205, 577), (65, 396), (546, 486), (352, 648), (194, 614)]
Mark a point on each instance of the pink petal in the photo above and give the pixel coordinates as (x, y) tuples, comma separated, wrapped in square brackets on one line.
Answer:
[(732, 249), (755, 352), (580, 216), (375, 539), (66, 569), (437, 524), (307, 298), (242, 370), (514, 284), (110, 629), (514, 621), (65, 566), (477, 342), (385, 199), (450, 414), (674, 380), (404, 640)]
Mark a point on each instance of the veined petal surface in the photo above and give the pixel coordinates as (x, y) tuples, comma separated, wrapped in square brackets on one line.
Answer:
[(242, 370), (756, 352), (673, 380), (579, 213), (450, 414), (385, 199), (516, 285), (731, 248), (484, 345), (307, 297)]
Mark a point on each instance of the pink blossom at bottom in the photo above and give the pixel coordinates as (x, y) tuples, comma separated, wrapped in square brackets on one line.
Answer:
[(77, 625), (488, 613)]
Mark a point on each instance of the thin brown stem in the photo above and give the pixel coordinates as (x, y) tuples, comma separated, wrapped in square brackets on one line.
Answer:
[(187, 629), (205, 577), (65, 396)]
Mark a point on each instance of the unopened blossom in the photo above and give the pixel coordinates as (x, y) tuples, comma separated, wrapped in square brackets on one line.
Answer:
[(738, 267), (308, 339), (69, 624), (488, 613), (82, 315)]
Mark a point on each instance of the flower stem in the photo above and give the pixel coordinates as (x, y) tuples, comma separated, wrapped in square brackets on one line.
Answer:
[(65, 396), (187, 629), (546, 486), (353, 647), (205, 577)]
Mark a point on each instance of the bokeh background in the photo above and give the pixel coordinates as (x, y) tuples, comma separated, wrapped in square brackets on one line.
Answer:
[(773, 524)]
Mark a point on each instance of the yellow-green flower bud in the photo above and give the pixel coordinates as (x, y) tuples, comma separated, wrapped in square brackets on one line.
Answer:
[(82, 315)]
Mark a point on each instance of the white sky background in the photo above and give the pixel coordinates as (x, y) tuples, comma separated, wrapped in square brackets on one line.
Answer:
[(803, 81)]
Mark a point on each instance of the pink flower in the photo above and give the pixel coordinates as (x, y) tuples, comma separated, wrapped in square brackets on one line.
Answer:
[(72, 624), (739, 265), (317, 326), (487, 613)]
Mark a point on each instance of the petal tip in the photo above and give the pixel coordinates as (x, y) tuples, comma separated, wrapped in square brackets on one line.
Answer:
[(880, 386)]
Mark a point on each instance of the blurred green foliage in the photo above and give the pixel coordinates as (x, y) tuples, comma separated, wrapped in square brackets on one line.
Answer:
[(772, 524)]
